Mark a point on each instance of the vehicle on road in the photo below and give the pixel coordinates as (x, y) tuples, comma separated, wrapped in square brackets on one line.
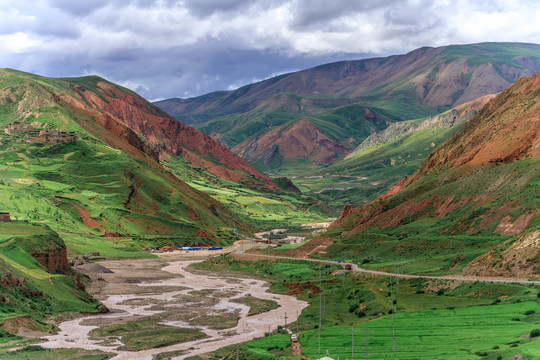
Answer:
[(294, 338)]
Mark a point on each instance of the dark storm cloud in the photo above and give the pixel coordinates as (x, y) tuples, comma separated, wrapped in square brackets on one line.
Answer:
[(311, 13), (78, 8), (168, 48), (203, 8)]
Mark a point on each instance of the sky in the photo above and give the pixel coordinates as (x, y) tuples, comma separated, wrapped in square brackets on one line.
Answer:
[(167, 48)]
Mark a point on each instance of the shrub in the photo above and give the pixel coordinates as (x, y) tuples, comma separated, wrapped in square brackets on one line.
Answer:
[(31, 348), (529, 312), (534, 333)]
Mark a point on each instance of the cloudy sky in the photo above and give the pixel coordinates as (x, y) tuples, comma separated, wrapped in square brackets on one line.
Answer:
[(173, 48)]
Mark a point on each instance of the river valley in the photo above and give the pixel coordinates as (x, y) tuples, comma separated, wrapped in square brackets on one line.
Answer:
[(165, 291)]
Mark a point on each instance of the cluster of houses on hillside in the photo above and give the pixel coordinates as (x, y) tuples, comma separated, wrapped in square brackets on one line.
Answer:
[(32, 135)]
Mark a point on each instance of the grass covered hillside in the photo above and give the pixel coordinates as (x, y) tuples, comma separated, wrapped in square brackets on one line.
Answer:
[(106, 181), (36, 280), (111, 179), (385, 157), (350, 100), (476, 193)]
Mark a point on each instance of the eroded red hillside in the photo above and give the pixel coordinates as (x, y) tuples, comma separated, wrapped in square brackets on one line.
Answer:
[(473, 170), (165, 135), (300, 139)]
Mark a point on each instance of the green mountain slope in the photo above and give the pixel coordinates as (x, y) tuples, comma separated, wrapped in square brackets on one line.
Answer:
[(383, 158), (477, 192), (36, 280), (123, 175), (107, 181)]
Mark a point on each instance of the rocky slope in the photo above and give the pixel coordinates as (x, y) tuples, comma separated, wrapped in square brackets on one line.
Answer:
[(294, 140), (397, 131), (481, 182), (35, 278), (162, 133)]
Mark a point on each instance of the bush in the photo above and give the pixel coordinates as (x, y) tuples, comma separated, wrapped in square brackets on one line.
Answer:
[(361, 313), (31, 348), (529, 312), (534, 333)]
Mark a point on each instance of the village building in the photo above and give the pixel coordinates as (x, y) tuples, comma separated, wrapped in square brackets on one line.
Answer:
[(50, 136), (4, 216), (18, 127)]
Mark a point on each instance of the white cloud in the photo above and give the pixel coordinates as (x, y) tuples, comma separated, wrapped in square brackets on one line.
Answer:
[(167, 48), (17, 43)]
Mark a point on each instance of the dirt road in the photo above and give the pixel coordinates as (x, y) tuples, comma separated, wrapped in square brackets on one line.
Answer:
[(356, 268)]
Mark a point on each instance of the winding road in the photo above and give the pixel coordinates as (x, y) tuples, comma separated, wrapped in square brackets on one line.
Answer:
[(356, 268)]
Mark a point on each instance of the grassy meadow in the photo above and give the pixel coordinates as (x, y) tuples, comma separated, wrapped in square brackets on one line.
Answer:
[(433, 319)]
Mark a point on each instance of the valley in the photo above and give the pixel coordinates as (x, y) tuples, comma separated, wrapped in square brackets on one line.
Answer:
[(388, 204)]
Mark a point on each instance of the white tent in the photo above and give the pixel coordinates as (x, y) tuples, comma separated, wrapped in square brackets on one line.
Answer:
[(326, 358)]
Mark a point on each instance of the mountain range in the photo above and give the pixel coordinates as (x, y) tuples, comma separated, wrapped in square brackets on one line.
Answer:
[(340, 104)]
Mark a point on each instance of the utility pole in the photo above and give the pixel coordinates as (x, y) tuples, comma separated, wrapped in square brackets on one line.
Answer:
[(269, 336), (393, 328), (352, 332), (285, 319), (366, 342), (320, 309)]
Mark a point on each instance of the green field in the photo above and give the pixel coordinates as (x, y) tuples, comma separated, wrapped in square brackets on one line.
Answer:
[(434, 319), (262, 210), (466, 333), (33, 352)]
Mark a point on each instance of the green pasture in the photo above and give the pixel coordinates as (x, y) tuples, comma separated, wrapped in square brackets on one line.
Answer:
[(30, 288), (259, 209), (432, 317), (33, 352), (112, 247), (461, 333)]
